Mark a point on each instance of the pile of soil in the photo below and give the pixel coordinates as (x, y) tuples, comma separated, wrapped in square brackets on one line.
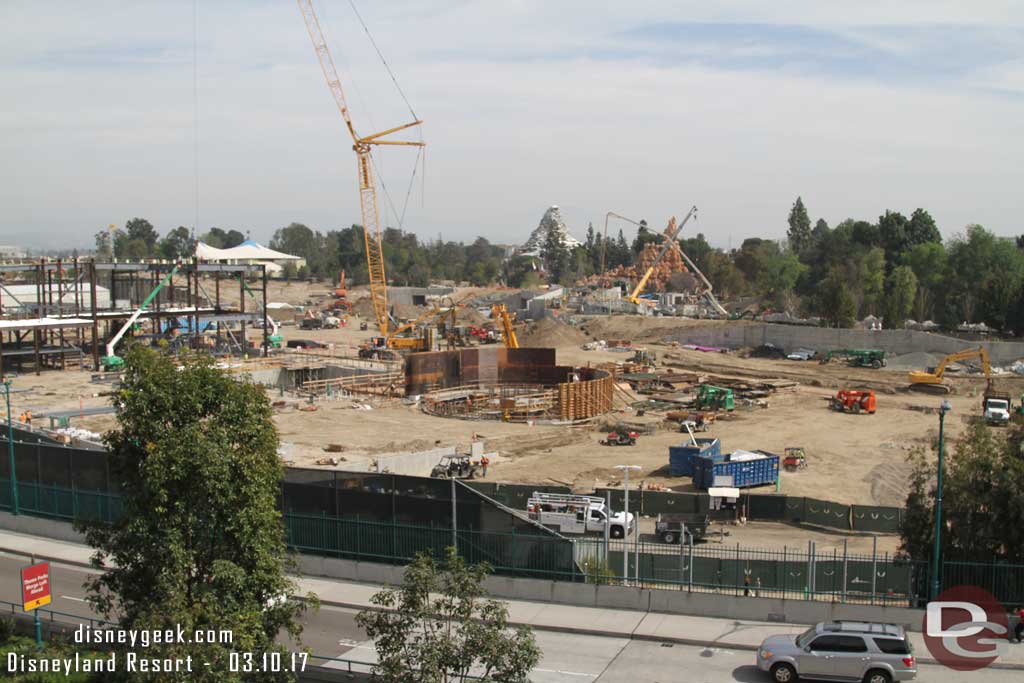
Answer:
[(768, 351), (364, 308), (467, 315), (550, 333)]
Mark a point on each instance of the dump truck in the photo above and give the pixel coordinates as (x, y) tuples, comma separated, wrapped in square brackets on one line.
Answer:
[(671, 527), (996, 405)]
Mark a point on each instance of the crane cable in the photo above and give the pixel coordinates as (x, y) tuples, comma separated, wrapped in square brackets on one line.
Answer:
[(383, 61)]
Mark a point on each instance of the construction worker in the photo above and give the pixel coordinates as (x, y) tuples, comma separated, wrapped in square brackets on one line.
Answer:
[(28, 417), (483, 465)]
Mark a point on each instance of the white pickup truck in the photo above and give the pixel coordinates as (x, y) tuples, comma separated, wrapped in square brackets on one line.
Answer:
[(572, 514)]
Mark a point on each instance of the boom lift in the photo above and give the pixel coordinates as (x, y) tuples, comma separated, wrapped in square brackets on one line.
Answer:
[(670, 236), (111, 362), (922, 380), (363, 147)]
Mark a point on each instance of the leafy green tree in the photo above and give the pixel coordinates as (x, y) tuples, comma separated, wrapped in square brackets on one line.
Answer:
[(982, 508), (799, 233), (929, 263), (836, 305), (697, 248), (200, 542), (892, 228), (104, 245), (901, 293), (645, 236), (177, 244), (781, 271), (299, 240), (289, 271), (922, 229), (871, 279), (136, 230), (135, 250), (555, 256), (723, 274), (223, 239), (441, 628)]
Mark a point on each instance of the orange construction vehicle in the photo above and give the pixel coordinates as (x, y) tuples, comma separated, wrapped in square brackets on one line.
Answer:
[(853, 401)]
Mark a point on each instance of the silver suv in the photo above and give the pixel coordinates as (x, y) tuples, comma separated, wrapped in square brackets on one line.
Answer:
[(840, 651)]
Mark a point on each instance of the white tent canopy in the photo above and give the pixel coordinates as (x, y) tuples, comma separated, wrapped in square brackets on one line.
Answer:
[(248, 250)]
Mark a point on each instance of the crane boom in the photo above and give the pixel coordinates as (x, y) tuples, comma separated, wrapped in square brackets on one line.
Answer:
[(604, 242), (364, 160), (670, 236)]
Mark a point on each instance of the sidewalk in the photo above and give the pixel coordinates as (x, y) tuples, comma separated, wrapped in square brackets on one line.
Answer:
[(672, 628)]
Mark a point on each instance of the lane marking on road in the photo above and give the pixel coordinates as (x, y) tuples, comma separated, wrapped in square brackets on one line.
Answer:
[(71, 597)]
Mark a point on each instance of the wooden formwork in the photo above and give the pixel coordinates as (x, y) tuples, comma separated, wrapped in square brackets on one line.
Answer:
[(378, 384), (586, 399)]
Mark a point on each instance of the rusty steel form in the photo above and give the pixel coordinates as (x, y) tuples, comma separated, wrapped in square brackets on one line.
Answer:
[(513, 385)]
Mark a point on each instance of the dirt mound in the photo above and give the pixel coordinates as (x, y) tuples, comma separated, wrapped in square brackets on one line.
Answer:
[(550, 333), (364, 308), (467, 315)]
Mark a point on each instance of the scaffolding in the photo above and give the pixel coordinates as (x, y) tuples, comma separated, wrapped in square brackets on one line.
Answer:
[(56, 313)]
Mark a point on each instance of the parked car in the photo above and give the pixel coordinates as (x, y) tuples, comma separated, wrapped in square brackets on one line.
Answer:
[(802, 354), (840, 651)]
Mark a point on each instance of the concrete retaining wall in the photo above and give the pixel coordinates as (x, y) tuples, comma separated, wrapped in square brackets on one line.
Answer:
[(789, 337), (36, 526)]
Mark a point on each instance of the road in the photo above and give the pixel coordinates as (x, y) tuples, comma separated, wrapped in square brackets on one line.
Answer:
[(568, 657)]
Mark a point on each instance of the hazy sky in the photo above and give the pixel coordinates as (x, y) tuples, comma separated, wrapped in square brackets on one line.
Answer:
[(642, 108)]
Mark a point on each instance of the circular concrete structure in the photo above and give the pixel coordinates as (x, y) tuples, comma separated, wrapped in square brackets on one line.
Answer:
[(514, 385)]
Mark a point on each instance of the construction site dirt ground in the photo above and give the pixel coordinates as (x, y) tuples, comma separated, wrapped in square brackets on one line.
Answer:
[(851, 458)]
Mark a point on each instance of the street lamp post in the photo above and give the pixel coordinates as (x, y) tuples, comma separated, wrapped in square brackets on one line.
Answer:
[(936, 582), (625, 504), (10, 450)]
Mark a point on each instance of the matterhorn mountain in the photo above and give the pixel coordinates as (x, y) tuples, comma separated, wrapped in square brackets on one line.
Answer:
[(552, 220)]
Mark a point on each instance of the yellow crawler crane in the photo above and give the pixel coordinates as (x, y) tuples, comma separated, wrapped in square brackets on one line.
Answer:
[(363, 146), (502, 318)]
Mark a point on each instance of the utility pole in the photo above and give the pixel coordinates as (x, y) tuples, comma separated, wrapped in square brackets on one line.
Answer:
[(936, 551), (10, 450), (625, 535)]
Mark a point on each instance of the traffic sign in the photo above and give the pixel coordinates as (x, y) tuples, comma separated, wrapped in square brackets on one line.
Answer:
[(35, 586)]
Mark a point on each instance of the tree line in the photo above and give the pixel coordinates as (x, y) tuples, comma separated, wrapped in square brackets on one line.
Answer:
[(896, 267)]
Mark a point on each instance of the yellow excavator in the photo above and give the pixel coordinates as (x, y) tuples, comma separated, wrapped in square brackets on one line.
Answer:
[(931, 382), (503, 320)]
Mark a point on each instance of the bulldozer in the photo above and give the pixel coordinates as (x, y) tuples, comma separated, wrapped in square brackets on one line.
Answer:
[(853, 401)]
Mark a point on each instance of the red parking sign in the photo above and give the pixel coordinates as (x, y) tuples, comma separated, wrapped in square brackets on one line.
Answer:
[(35, 586)]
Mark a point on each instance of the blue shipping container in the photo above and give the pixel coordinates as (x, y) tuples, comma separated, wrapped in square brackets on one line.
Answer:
[(744, 473), (681, 459)]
